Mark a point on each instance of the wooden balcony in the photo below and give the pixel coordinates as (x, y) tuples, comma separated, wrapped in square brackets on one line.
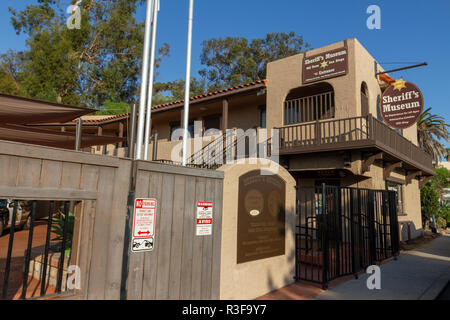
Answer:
[(363, 133)]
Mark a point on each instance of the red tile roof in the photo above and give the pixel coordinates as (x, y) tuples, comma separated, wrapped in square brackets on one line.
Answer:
[(180, 102)]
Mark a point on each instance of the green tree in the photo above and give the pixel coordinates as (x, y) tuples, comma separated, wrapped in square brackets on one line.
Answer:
[(11, 73), (113, 108), (441, 180), (431, 129), (101, 61), (429, 199), (432, 199), (174, 90), (235, 60)]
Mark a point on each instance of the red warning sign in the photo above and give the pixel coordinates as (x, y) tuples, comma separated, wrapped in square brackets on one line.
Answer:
[(204, 218), (144, 218)]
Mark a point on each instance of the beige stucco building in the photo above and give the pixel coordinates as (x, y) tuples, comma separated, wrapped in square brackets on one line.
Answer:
[(330, 130)]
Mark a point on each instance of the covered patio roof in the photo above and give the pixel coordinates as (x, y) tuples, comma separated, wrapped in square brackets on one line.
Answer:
[(18, 110), (17, 114), (51, 138)]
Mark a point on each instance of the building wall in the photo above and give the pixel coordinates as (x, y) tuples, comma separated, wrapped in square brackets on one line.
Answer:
[(253, 279), (286, 74)]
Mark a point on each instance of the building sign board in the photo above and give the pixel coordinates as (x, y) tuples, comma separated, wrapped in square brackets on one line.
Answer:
[(261, 217), (401, 104), (204, 218), (325, 65), (143, 224)]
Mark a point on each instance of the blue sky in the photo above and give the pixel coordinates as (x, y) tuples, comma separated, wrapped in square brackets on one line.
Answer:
[(411, 31)]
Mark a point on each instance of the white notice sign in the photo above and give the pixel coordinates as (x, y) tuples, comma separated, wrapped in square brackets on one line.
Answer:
[(204, 218), (144, 224)]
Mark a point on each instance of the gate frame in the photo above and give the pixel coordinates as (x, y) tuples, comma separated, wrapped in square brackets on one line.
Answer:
[(384, 215)]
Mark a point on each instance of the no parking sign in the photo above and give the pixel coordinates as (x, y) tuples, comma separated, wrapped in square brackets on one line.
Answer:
[(143, 225)]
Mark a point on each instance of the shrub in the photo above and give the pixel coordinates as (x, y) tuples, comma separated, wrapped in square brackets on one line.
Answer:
[(429, 199), (441, 223), (58, 229)]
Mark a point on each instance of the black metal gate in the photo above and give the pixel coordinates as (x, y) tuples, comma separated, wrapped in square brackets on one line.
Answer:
[(27, 269), (343, 230)]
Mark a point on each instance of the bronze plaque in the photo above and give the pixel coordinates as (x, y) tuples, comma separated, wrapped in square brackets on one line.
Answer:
[(261, 217), (326, 65), (401, 104)]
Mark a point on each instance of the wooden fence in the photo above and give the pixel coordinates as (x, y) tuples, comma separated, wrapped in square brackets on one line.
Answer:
[(182, 266)]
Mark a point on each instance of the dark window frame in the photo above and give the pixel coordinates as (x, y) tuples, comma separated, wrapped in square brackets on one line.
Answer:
[(262, 116)]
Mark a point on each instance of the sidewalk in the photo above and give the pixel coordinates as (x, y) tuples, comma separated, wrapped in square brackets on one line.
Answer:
[(419, 274)]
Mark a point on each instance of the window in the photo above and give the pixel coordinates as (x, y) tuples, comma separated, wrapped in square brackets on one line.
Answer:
[(211, 122), (262, 117), (392, 186), (176, 125), (364, 100)]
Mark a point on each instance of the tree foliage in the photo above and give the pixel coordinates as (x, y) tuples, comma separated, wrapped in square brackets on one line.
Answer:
[(431, 129), (11, 74), (100, 61), (431, 195), (235, 60), (429, 199), (174, 90), (99, 65)]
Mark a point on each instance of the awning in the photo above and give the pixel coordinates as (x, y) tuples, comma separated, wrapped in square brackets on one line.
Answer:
[(52, 138), (18, 110)]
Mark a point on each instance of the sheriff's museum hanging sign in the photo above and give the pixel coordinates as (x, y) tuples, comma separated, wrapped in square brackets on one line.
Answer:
[(401, 104)]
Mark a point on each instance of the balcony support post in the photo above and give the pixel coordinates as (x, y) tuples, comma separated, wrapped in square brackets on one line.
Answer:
[(224, 115)]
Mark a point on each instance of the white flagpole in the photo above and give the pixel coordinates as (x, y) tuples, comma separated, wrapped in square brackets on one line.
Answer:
[(188, 81), (144, 79), (151, 78)]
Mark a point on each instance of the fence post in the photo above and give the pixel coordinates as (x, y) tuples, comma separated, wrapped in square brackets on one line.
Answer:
[(325, 239), (78, 134), (360, 232), (385, 208), (394, 223), (371, 226), (352, 231), (297, 236), (10, 247), (132, 132), (127, 232)]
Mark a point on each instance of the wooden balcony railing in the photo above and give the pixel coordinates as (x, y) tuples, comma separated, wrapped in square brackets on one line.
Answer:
[(351, 133)]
